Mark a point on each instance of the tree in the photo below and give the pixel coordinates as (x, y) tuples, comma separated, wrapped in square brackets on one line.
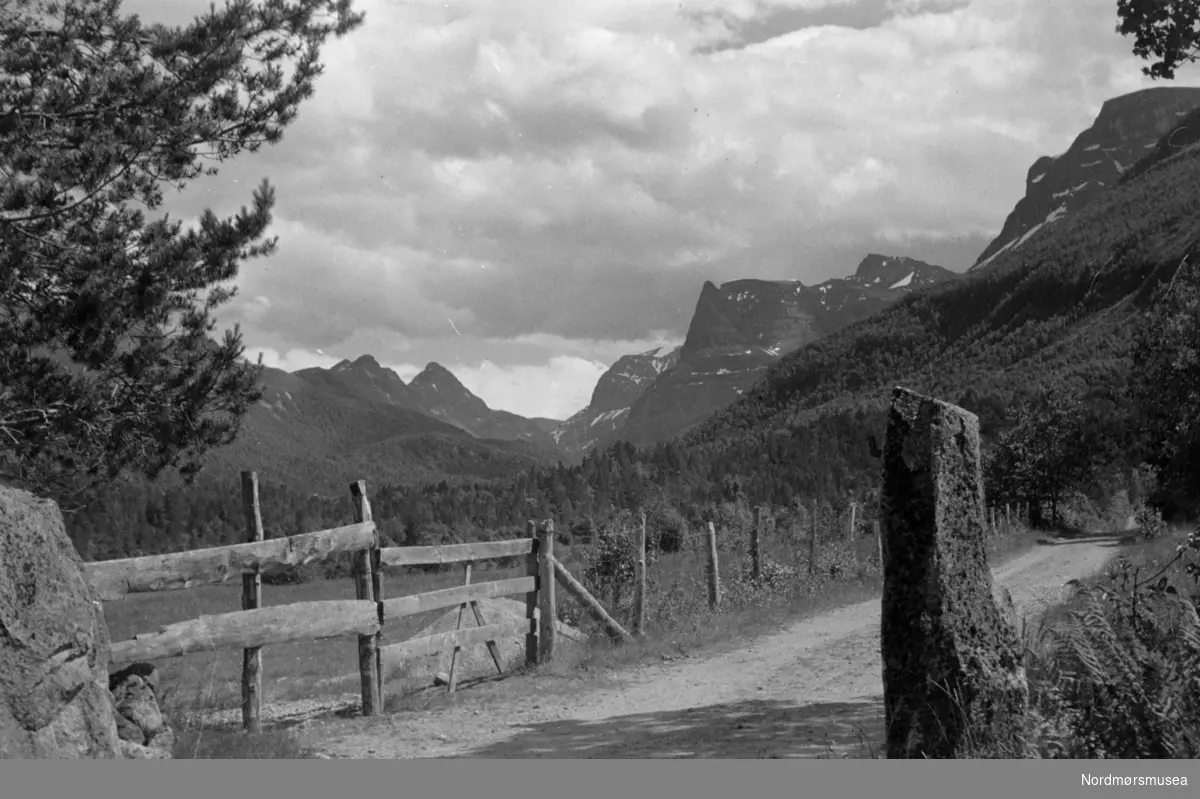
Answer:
[(106, 358), (1044, 455), (1168, 30), (1165, 388)]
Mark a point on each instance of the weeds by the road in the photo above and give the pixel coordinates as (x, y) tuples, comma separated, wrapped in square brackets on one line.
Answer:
[(1112, 670)]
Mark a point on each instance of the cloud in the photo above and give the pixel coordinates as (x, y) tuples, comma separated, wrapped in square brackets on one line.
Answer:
[(474, 176), (553, 390), (290, 360)]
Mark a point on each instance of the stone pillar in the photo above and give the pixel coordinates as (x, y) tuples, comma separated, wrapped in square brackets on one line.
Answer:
[(54, 695), (950, 657)]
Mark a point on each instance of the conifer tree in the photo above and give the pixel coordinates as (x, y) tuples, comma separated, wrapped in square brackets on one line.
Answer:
[(106, 310)]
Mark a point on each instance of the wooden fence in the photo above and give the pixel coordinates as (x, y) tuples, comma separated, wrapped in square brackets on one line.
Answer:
[(254, 626)]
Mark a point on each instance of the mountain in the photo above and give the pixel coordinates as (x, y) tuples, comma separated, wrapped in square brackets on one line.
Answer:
[(362, 379), (439, 393), (318, 429), (1058, 314), (546, 425), (1125, 130), (740, 328), (435, 392), (615, 392)]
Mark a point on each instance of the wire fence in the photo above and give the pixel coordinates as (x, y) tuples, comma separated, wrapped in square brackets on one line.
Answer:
[(762, 555)]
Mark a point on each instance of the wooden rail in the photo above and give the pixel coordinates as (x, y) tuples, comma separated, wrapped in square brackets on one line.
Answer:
[(114, 579), (454, 553), (576, 589), (449, 597), (245, 629)]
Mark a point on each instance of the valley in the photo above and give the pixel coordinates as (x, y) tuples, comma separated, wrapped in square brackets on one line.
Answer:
[(777, 382)]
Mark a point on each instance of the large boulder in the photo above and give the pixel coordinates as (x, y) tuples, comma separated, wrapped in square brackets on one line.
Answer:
[(54, 695), (952, 668)]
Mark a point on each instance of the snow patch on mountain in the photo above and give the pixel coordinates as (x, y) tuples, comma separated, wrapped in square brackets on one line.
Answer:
[(608, 416)]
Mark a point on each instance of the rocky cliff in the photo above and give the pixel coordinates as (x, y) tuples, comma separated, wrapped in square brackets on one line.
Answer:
[(1127, 128), (615, 392)]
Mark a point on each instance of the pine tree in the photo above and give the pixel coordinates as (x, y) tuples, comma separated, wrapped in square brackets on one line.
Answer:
[(106, 358)]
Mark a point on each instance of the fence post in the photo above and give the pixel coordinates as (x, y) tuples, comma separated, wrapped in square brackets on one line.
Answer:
[(251, 599), (812, 542), (878, 542), (639, 569), (362, 513), (755, 562), (364, 589), (531, 597), (547, 606), (850, 529), (714, 575)]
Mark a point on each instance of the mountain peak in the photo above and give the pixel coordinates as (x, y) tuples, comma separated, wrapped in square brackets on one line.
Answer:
[(362, 362), (436, 380), (366, 360), (435, 367), (874, 264), (436, 373)]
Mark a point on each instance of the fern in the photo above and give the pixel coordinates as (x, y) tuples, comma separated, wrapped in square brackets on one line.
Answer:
[(1117, 668)]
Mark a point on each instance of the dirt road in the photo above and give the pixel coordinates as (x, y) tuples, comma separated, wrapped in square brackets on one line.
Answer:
[(812, 690)]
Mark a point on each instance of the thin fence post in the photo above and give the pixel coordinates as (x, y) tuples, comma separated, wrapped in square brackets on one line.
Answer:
[(377, 582), (547, 607), (714, 575), (251, 599), (850, 527), (639, 569), (812, 542), (531, 597), (364, 589), (878, 541), (1008, 517), (755, 562)]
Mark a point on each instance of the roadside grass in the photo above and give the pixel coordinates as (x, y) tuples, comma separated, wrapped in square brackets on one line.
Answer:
[(679, 624)]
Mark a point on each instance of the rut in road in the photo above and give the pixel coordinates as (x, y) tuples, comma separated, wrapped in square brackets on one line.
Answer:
[(811, 690)]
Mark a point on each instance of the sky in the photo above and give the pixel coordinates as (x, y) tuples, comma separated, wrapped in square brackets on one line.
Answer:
[(525, 190)]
